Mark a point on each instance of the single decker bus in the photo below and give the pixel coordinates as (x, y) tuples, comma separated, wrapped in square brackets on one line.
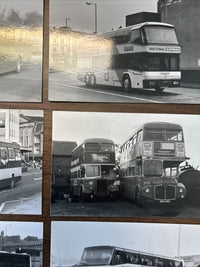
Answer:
[(141, 56), (12, 259), (113, 256), (93, 170), (10, 164), (149, 163)]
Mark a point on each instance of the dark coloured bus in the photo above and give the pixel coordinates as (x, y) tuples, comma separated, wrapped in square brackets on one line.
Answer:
[(113, 256), (92, 170), (8, 259), (150, 161)]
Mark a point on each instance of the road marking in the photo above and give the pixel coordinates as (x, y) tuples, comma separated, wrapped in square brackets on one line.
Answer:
[(39, 178), (107, 93)]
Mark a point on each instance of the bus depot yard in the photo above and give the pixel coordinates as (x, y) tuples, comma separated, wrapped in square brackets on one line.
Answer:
[(149, 169)]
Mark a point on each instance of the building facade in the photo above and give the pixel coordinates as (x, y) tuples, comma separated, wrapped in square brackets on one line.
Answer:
[(31, 137), (184, 15), (9, 125)]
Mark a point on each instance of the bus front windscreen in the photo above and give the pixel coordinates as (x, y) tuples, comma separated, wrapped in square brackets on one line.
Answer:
[(156, 34), (152, 167), (93, 171), (96, 256), (160, 62), (157, 134)]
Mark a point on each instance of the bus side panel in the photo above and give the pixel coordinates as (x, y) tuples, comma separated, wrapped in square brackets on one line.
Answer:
[(6, 175)]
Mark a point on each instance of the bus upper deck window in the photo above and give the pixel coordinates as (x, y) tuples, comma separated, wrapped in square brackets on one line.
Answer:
[(136, 37)]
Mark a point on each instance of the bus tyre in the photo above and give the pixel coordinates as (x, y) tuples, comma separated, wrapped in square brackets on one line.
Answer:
[(82, 196), (159, 89), (87, 80), (92, 80), (18, 68), (126, 83), (138, 198)]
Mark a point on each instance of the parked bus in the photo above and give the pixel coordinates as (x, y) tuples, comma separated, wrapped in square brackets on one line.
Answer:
[(149, 163), (93, 170), (8, 259), (114, 256), (10, 164), (142, 56)]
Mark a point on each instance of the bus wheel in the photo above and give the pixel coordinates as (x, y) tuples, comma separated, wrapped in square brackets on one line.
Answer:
[(138, 198), (92, 80), (82, 196), (126, 83), (159, 89), (87, 80)]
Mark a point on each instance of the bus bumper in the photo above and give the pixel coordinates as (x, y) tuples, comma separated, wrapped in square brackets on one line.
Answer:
[(160, 83)]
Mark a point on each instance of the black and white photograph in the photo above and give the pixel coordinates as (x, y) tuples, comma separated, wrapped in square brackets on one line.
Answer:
[(21, 244), (21, 153), (125, 165), (75, 244), (21, 42), (132, 51)]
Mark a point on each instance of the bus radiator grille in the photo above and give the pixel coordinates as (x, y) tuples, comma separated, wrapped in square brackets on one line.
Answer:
[(101, 187), (165, 192)]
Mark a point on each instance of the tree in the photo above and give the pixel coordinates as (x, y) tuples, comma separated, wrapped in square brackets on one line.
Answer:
[(33, 19), (2, 15), (14, 18)]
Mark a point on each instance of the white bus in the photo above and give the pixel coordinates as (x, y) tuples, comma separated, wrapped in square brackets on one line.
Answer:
[(113, 256), (9, 259), (142, 56), (10, 164)]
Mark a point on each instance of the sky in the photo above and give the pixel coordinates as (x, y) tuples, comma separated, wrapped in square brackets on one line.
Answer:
[(23, 6), (68, 239), (23, 229), (110, 13), (78, 126)]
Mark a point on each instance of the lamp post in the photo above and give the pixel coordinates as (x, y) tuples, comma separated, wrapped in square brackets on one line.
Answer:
[(95, 15)]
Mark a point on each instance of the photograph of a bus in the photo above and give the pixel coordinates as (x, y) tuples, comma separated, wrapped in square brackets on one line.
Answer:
[(10, 164), (149, 163), (93, 170), (12, 259), (144, 55), (114, 256)]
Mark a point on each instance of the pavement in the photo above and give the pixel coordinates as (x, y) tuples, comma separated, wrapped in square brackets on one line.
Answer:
[(190, 85), (30, 206)]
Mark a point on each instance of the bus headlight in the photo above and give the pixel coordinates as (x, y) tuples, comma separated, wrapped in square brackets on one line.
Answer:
[(90, 183), (116, 183), (147, 149)]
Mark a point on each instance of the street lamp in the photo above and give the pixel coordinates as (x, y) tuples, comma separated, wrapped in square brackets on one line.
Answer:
[(95, 14)]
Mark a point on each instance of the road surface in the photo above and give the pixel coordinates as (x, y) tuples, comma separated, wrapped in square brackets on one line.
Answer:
[(25, 86), (66, 87), (122, 208), (29, 185)]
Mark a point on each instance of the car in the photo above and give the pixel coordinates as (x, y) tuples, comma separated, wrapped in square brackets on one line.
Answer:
[(25, 166)]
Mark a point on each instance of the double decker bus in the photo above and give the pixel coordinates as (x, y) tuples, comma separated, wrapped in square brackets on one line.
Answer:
[(150, 161), (10, 164), (93, 170), (142, 56), (114, 256), (11, 259)]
